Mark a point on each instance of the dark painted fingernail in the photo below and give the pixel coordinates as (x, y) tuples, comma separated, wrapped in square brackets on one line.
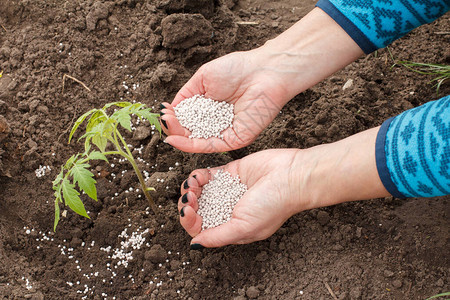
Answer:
[(184, 199), (195, 176), (182, 211), (196, 247), (161, 113), (161, 106), (186, 185), (164, 123)]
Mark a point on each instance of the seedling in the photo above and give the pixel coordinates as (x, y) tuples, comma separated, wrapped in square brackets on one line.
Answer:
[(440, 72), (101, 129), (439, 295)]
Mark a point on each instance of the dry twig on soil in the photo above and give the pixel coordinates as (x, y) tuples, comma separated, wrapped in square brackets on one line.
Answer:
[(74, 79), (330, 291), (247, 23), (4, 27)]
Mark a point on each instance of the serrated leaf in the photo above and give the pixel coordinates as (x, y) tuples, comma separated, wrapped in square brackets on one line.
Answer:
[(118, 103), (123, 117), (57, 215), (97, 155), (85, 180), (72, 199), (152, 118), (95, 119), (79, 121), (136, 107), (100, 142), (108, 128)]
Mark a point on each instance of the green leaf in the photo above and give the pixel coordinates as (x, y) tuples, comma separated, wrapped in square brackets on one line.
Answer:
[(85, 180), (57, 215), (72, 199), (100, 142), (108, 128), (136, 107), (152, 118), (79, 121), (96, 118), (97, 155), (123, 117), (118, 103)]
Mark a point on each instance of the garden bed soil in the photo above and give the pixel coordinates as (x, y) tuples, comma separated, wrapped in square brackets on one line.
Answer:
[(145, 51)]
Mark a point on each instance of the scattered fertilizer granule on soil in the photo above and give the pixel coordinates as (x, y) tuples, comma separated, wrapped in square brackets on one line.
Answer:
[(204, 117), (218, 198)]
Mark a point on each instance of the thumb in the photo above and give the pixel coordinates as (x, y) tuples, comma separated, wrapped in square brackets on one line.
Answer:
[(234, 231)]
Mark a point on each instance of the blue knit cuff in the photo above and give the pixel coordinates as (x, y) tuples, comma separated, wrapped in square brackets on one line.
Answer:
[(413, 151), (380, 156), (375, 24), (357, 35)]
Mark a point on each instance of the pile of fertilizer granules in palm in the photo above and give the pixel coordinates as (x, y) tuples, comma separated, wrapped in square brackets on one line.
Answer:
[(204, 117), (218, 198)]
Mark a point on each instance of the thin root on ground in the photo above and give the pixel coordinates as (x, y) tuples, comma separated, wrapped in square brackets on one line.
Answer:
[(74, 79)]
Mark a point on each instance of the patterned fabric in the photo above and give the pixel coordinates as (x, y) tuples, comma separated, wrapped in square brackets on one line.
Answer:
[(375, 24), (413, 151)]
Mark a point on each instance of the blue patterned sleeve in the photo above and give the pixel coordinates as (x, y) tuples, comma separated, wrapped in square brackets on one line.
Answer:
[(374, 24), (413, 151)]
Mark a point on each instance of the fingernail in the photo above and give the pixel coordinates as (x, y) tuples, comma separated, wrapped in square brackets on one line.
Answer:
[(161, 113), (164, 123), (196, 247), (186, 185), (182, 211), (195, 176), (161, 106), (184, 199)]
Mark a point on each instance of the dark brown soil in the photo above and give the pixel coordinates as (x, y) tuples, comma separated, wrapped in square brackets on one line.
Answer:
[(378, 249)]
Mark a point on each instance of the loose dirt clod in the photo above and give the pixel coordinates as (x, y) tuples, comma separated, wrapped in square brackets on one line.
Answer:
[(218, 198), (204, 117)]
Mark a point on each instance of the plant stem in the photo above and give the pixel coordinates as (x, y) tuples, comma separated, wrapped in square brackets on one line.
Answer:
[(130, 158)]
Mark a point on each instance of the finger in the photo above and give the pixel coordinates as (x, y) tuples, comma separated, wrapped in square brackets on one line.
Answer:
[(191, 185), (188, 198), (232, 232), (166, 108), (190, 221), (185, 144), (172, 126)]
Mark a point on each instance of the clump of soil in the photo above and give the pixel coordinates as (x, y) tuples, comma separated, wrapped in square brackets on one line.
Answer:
[(145, 51)]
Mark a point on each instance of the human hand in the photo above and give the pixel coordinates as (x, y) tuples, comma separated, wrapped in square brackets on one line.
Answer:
[(272, 197), (283, 182), (261, 81), (235, 78)]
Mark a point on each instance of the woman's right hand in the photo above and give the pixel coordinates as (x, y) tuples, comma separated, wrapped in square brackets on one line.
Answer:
[(282, 182)]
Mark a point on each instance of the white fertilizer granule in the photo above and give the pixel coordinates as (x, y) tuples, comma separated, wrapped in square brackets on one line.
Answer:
[(218, 198), (204, 117)]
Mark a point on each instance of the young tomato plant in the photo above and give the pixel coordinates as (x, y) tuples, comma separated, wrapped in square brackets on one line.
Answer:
[(101, 128)]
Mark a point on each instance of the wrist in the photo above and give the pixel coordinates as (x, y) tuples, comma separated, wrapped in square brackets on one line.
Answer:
[(339, 172), (308, 52)]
